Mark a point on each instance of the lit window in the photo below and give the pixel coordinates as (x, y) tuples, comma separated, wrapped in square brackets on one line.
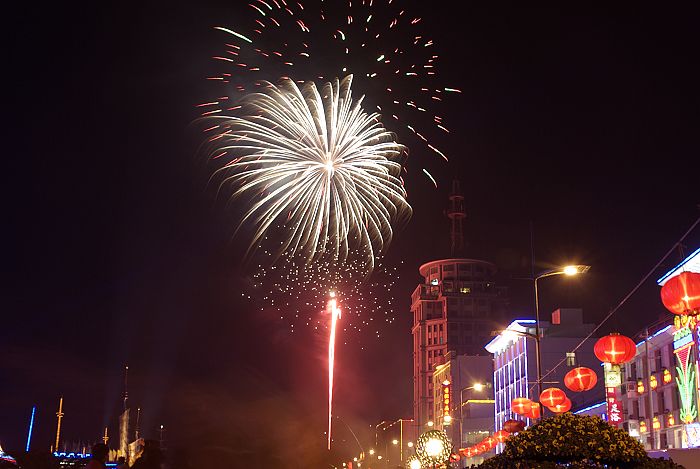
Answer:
[(465, 290)]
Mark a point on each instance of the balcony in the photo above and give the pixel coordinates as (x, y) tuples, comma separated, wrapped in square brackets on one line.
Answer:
[(425, 292)]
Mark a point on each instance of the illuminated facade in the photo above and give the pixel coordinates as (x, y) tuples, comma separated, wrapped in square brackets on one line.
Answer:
[(649, 391), (662, 384), (454, 310), (515, 361), (463, 398)]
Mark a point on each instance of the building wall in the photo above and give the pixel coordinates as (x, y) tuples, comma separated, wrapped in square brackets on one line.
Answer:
[(454, 309), (470, 409), (653, 357), (515, 361)]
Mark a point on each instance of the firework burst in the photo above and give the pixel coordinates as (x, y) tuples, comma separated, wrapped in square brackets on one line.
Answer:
[(394, 62), (316, 172)]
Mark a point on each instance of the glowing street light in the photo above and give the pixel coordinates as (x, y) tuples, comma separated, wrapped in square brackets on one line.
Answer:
[(569, 270), (410, 444), (394, 442)]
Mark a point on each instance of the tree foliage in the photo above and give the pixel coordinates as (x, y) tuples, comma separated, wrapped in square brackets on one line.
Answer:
[(580, 442)]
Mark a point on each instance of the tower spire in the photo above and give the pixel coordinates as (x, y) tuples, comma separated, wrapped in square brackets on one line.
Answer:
[(126, 383), (456, 214)]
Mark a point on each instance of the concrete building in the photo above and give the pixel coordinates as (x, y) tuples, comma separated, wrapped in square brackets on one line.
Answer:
[(468, 416), (454, 309), (515, 361), (649, 392)]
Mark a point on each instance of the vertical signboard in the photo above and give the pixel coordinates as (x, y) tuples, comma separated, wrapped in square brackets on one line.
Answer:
[(613, 379)]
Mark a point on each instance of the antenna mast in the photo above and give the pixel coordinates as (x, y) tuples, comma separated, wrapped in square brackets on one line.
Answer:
[(59, 414)]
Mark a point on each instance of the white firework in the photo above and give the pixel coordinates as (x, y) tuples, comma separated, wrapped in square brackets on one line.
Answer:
[(315, 165)]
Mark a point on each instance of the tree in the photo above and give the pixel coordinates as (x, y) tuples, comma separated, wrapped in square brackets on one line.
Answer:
[(576, 441)]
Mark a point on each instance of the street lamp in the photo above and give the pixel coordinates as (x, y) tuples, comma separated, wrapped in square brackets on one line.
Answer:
[(478, 387), (569, 270)]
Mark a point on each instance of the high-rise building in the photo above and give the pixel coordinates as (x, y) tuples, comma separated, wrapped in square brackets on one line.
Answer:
[(454, 309)]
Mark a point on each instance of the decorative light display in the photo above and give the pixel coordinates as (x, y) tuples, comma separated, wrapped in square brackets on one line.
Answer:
[(412, 462), (580, 379), (681, 294), (655, 424), (640, 386), (685, 373), (446, 391), (643, 426), (671, 421), (433, 447), (615, 348), (667, 377), (653, 383), (552, 397), (561, 408), (521, 405), (513, 426)]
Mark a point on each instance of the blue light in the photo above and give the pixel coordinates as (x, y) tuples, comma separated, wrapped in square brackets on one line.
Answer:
[(683, 262), (657, 333), (31, 426), (590, 407)]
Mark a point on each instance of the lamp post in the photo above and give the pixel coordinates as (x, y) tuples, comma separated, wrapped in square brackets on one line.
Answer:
[(569, 270), (478, 387)]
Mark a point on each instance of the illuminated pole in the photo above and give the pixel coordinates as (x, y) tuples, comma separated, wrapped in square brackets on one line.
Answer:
[(31, 427), (105, 438), (59, 414)]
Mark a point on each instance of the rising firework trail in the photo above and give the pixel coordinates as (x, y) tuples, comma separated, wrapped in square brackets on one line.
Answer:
[(335, 315)]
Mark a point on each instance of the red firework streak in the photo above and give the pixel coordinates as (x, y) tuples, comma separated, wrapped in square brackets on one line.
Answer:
[(335, 315)]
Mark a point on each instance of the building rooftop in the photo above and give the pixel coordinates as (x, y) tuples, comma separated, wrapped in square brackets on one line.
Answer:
[(425, 268), (689, 264)]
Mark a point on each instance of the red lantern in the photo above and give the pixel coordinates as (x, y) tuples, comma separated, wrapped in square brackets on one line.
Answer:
[(681, 294), (513, 426), (483, 447), (580, 379), (501, 435), (491, 441), (521, 405), (535, 411), (561, 408), (615, 348), (552, 397)]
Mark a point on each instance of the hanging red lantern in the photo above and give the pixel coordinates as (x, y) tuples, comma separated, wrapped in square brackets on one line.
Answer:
[(513, 426), (491, 441), (615, 348), (561, 408), (521, 405), (535, 411), (551, 397), (580, 379), (501, 435), (681, 294)]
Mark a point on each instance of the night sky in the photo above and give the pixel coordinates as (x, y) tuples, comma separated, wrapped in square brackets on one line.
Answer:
[(583, 120)]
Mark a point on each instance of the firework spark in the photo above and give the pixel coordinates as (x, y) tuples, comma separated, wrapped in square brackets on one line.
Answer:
[(313, 167), (386, 48), (335, 315)]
